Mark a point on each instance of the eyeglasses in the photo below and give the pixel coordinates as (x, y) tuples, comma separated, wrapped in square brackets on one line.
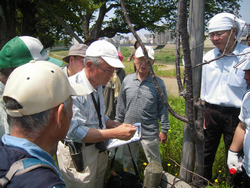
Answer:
[(217, 34), (108, 72)]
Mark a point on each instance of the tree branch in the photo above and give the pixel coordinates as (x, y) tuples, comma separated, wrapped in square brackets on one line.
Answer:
[(207, 62), (177, 59), (150, 67), (61, 21)]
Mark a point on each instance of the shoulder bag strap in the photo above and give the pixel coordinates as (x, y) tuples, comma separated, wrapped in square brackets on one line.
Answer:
[(98, 110)]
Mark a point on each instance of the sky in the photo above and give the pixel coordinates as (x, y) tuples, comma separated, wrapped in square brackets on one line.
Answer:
[(244, 10)]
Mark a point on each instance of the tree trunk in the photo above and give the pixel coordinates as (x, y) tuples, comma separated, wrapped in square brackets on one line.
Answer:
[(98, 25), (188, 155), (28, 10), (7, 21), (196, 32), (196, 20)]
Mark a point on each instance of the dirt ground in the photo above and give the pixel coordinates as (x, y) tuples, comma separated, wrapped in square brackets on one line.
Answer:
[(171, 86), (171, 83)]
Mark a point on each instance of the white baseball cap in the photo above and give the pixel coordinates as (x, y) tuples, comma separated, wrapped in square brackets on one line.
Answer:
[(225, 21), (106, 51), (151, 53), (23, 49), (39, 86), (244, 63)]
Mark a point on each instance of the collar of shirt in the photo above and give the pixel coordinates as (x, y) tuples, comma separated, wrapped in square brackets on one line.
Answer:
[(148, 79), (235, 52), (65, 70), (31, 148), (82, 79)]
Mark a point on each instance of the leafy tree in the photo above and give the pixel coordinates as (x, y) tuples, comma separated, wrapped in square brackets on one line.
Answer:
[(56, 20)]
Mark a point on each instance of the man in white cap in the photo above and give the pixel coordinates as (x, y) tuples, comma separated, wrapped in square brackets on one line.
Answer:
[(241, 137), (38, 101), (223, 86), (75, 59), (89, 126), (140, 102), (16, 52)]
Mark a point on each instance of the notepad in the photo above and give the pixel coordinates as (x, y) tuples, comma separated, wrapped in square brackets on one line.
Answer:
[(113, 143)]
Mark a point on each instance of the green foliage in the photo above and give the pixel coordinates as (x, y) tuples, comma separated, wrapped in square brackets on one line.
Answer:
[(86, 18), (126, 51), (171, 150)]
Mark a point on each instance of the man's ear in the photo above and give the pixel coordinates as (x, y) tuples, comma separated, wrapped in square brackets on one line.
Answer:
[(153, 62), (89, 64), (60, 114), (71, 58)]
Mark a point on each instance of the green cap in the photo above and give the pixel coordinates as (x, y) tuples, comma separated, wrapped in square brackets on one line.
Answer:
[(21, 50)]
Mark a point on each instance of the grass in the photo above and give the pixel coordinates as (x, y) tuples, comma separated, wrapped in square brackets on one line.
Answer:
[(172, 148)]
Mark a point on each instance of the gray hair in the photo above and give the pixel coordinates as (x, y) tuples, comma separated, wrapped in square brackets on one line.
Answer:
[(32, 125), (94, 60)]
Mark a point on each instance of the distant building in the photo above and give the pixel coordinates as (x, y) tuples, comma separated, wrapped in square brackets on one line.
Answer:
[(124, 40), (243, 39), (150, 38), (248, 29), (164, 38)]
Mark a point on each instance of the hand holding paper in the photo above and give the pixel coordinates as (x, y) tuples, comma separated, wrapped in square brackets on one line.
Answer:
[(113, 143)]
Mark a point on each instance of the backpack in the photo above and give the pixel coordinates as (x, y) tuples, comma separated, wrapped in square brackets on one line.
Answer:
[(22, 166)]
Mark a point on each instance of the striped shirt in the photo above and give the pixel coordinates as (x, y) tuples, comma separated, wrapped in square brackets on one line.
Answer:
[(140, 102), (84, 112)]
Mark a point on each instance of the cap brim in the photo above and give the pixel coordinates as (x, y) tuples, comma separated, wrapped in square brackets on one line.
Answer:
[(139, 52), (113, 62), (142, 55), (78, 90), (66, 59), (55, 61)]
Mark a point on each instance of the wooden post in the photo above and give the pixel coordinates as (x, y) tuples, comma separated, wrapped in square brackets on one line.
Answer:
[(152, 175), (170, 181), (196, 33)]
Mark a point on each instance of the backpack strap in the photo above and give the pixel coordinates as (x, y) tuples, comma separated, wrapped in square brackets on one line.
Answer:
[(22, 166)]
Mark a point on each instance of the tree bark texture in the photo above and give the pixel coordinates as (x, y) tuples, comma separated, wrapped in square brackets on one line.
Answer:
[(194, 144), (28, 9), (196, 45), (196, 135), (7, 21)]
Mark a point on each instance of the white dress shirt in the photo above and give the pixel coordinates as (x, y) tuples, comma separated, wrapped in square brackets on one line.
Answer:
[(221, 83)]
